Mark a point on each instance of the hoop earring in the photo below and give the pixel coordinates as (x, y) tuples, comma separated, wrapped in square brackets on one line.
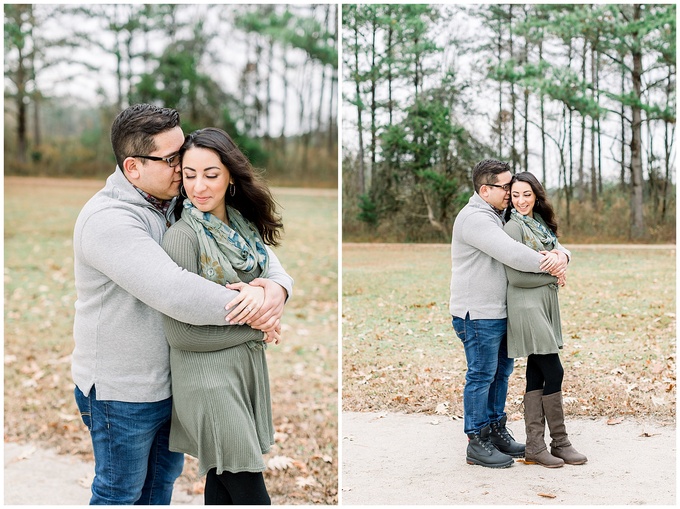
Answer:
[(537, 203), (182, 191), (232, 190)]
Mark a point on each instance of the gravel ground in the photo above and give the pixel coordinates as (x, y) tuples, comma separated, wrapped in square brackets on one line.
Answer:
[(418, 459)]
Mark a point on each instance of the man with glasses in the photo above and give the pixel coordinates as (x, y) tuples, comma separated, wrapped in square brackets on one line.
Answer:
[(479, 251), (125, 282)]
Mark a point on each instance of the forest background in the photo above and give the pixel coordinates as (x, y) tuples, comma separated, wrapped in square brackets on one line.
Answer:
[(583, 96), (268, 75)]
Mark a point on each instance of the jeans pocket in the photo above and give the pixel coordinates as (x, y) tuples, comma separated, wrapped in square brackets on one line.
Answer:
[(85, 408), (459, 328)]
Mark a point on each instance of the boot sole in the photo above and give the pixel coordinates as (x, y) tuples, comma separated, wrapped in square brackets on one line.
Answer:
[(476, 462), (530, 462), (514, 454)]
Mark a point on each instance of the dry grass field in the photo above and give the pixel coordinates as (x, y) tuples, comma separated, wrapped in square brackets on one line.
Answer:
[(400, 352), (39, 299)]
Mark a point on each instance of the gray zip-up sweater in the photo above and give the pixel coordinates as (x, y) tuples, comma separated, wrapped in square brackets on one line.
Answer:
[(125, 282), (480, 249)]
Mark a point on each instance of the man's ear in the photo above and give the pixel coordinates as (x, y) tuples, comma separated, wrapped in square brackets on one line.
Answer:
[(130, 168)]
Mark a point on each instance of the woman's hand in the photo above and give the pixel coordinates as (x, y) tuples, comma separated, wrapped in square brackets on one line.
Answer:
[(248, 302)]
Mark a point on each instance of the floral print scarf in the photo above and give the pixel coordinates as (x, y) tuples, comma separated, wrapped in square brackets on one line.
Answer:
[(534, 233), (225, 248)]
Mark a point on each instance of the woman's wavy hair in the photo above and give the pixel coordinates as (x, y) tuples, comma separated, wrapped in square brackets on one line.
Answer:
[(542, 206), (252, 197)]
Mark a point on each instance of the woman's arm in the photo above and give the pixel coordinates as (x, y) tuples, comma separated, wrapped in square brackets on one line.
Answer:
[(518, 278), (207, 338)]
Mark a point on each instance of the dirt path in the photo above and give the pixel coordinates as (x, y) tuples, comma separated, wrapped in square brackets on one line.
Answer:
[(63, 480), (418, 459), (377, 245)]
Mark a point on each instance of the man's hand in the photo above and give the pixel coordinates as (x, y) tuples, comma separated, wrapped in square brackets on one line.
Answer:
[(554, 263), (273, 335), (269, 315)]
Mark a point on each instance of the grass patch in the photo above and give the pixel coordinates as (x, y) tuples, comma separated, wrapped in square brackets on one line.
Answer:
[(400, 352), (39, 299)]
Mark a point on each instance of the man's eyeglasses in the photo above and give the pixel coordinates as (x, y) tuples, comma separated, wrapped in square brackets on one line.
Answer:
[(504, 187), (172, 160)]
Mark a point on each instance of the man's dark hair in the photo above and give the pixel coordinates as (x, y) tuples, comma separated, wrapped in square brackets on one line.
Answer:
[(134, 128), (487, 171)]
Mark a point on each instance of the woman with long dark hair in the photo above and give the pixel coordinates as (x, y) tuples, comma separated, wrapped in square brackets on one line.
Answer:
[(534, 326), (221, 401)]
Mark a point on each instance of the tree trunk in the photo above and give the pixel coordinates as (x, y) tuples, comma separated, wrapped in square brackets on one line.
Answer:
[(268, 99), (390, 54), (499, 46), (623, 133), (284, 101), (360, 128), (319, 121), (581, 164), (37, 135), (374, 104), (599, 131), (332, 135), (667, 145), (637, 218), (513, 99), (543, 162), (593, 121), (525, 59), (21, 109)]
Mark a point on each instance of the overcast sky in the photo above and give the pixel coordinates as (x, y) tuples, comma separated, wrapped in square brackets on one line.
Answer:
[(85, 84)]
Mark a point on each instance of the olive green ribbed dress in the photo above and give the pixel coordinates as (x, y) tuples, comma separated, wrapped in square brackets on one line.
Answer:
[(534, 325), (220, 384)]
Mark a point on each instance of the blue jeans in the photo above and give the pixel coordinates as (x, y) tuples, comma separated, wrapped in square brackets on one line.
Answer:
[(133, 464), (488, 370)]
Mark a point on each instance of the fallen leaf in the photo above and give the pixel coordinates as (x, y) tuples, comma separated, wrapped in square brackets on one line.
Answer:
[(305, 481), (615, 420), (280, 463), (547, 495), (86, 482), (442, 408), (280, 437), (197, 488), (647, 434), (27, 453), (658, 401), (434, 422)]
